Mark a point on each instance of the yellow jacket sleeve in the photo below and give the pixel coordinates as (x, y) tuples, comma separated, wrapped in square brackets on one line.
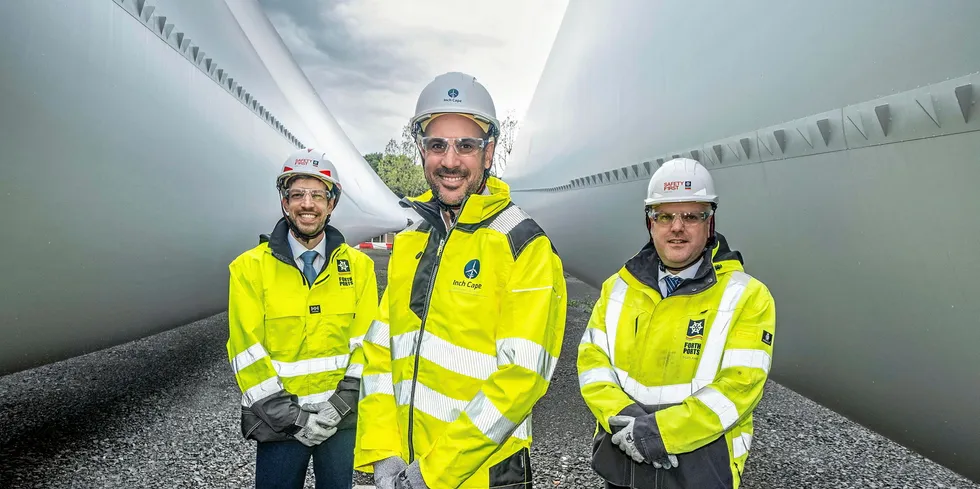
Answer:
[(250, 362), (596, 374), (378, 435), (529, 339), (737, 388)]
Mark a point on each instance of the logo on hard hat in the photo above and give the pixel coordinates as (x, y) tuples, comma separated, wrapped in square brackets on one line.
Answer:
[(304, 161), (453, 93), (673, 185), (687, 185)]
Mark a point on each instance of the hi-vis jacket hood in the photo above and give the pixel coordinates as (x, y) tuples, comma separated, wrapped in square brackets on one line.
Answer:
[(469, 332), (292, 344), (689, 367)]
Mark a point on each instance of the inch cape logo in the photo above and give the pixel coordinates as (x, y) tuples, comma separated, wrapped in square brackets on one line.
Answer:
[(453, 93), (471, 270)]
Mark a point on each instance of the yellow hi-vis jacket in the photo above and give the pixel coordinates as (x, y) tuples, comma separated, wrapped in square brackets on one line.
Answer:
[(469, 332), (690, 367), (290, 344)]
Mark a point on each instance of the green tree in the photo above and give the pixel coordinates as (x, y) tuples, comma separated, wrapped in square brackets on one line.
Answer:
[(401, 175), (373, 159)]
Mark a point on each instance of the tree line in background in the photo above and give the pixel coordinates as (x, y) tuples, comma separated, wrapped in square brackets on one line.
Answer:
[(400, 166)]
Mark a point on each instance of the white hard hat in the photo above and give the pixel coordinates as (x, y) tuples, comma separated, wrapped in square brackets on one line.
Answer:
[(310, 163), (456, 93), (681, 180)]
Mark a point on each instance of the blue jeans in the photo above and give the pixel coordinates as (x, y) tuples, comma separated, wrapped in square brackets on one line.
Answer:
[(283, 464)]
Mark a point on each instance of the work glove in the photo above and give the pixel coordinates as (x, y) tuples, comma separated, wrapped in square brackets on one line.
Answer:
[(410, 478), (626, 442), (326, 411), (385, 472), (314, 430)]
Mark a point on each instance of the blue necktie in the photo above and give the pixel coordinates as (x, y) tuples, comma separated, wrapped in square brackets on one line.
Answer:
[(672, 283), (308, 269)]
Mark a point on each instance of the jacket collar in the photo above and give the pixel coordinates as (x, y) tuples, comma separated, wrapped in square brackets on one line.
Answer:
[(476, 208), (644, 267), (279, 243)]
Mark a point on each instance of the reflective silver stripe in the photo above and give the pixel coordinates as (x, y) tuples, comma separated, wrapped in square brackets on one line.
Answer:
[(747, 358), (613, 309), (311, 365), (262, 390), (532, 289), (403, 345), (722, 406), (377, 384), (596, 375), (489, 420), (714, 345), (315, 398), (354, 370), (451, 357), (378, 333), (597, 338), (251, 355), (355, 343), (661, 394), (741, 445), (523, 431), (428, 401), (525, 353), (508, 219)]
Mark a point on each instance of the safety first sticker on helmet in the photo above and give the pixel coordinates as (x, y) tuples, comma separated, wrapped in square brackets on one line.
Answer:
[(668, 186)]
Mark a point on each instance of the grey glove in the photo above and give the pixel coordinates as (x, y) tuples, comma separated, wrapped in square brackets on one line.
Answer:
[(410, 478), (325, 410), (385, 472), (313, 430), (626, 441)]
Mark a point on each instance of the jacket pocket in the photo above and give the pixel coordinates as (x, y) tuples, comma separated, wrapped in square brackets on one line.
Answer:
[(610, 462)]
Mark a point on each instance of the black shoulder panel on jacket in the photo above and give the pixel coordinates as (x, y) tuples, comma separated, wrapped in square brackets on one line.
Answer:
[(263, 238), (519, 228)]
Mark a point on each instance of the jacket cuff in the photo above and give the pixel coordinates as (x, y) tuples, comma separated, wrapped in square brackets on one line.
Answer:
[(281, 412), (345, 398), (648, 439)]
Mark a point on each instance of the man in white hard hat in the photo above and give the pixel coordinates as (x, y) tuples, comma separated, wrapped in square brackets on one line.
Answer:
[(472, 321), (678, 348), (299, 305)]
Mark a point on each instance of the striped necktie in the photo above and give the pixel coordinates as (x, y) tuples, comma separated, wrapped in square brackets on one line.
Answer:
[(672, 283)]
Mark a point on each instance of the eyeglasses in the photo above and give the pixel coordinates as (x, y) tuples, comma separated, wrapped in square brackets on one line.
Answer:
[(687, 218), (299, 194), (463, 146)]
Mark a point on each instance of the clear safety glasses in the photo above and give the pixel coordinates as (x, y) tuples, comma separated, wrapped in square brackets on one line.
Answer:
[(462, 146), (687, 218), (299, 194)]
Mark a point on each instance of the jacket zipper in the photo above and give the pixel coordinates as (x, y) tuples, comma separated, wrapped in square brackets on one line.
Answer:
[(418, 349)]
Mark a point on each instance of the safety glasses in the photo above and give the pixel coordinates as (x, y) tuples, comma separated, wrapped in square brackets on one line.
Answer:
[(687, 218), (462, 146), (299, 194)]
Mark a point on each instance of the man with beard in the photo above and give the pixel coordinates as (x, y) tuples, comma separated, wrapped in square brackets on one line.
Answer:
[(678, 348), (299, 305), (471, 323)]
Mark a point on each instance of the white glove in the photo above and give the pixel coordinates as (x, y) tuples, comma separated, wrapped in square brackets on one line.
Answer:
[(385, 472), (624, 439), (411, 478), (315, 431), (325, 410)]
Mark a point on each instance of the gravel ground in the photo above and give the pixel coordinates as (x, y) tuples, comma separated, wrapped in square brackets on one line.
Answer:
[(163, 412)]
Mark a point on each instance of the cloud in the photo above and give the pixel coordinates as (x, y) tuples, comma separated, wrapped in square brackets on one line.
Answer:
[(368, 59)]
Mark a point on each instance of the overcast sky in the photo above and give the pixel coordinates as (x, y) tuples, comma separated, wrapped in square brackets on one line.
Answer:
[(369, 59)]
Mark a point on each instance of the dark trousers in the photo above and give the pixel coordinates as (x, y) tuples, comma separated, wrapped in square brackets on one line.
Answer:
[(283, 464)]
